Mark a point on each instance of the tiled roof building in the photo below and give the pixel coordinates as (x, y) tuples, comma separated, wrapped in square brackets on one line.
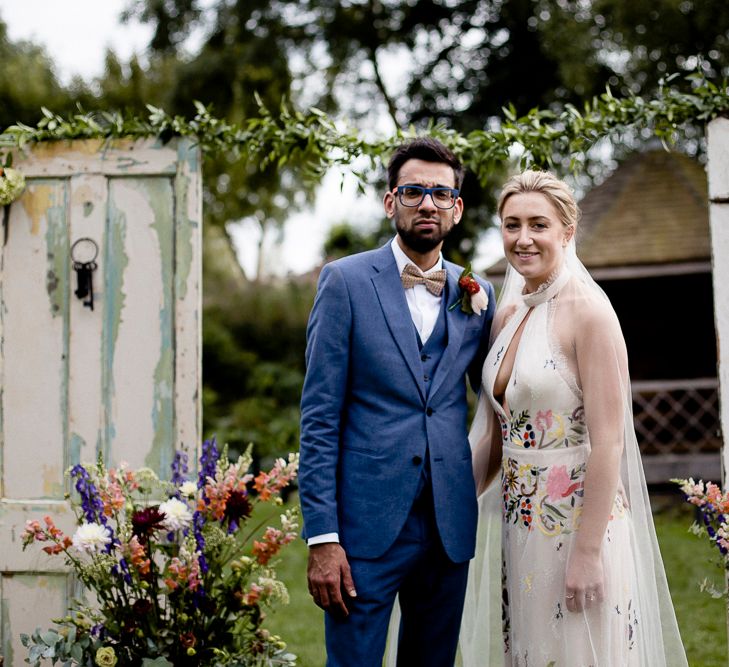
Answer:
[(652, 211)]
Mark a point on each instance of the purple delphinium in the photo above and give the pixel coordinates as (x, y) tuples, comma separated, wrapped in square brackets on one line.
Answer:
[(179, 469), (709, 514), (208, 467), (126, 574), (208, 462), (198, 521), (90, 501)]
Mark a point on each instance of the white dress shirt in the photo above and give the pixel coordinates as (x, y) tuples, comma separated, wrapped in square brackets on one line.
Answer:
[(424, 305), (424, 310)]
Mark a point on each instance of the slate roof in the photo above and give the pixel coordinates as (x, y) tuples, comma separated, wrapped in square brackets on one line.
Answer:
[(651, 210)]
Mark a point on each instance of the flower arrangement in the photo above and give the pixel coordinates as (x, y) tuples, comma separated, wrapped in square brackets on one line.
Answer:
[(473, 298), (713, 507), (179, 582)]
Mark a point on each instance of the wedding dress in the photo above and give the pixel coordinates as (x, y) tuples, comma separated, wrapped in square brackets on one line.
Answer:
[(515, 609)]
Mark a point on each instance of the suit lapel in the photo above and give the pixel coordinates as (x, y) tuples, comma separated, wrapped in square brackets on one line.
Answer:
[(456, 325), (397, 315)]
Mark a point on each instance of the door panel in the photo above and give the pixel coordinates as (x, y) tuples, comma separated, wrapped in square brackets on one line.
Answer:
[(121, 381)]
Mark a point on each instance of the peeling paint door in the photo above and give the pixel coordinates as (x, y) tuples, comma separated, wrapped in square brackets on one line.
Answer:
[(122, 380)]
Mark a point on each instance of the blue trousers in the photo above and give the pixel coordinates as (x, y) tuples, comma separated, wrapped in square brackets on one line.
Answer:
[(431, 588)]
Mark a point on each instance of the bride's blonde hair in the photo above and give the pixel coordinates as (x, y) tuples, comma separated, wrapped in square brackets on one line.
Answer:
[(556, 191)]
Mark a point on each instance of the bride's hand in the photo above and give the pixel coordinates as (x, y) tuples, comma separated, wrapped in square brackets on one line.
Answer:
[(584, 581)]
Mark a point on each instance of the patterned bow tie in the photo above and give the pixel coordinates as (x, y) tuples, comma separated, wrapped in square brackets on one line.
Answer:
[(433, 280)]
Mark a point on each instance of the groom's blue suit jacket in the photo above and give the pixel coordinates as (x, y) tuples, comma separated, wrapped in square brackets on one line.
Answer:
[(368, 420)]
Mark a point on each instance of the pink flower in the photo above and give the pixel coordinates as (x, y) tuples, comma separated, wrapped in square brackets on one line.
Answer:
[(180, 573), (559, 484), (713, 493), (33, 531), (544, 420)]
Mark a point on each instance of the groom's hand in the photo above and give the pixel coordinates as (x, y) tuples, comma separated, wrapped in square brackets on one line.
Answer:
[(330, 579)]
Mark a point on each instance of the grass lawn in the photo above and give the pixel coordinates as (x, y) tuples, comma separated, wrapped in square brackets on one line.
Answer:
[(687, 558)]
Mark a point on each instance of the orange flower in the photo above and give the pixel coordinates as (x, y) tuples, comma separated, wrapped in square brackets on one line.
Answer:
[(139, 556), (273, 540), (260, 485), (252, 596), (112, 497), (54, 550)]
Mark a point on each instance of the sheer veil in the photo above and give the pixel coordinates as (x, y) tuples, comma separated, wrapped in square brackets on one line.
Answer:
[(658, 642)]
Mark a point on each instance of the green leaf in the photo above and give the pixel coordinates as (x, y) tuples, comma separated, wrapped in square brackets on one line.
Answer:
[(77, 653), (50, 637)]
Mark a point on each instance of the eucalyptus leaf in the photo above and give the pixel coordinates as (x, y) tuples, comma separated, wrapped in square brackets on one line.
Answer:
[(77, 653), (50, 637)]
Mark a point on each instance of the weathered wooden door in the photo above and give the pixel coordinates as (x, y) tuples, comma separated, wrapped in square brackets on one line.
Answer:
[(121, 380)]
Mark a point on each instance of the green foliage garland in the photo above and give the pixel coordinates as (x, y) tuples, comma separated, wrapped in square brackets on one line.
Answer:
[(313, 141)]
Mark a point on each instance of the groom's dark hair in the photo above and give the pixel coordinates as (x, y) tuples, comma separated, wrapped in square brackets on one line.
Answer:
[(423, 148)]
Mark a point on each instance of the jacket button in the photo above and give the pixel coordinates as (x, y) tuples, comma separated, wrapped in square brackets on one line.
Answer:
[(417, 460), (426, 378), (424, 357), (429, 411)]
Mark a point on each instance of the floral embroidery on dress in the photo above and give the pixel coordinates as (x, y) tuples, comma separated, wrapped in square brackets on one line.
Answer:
[(632, 625), (545, 495), (545, 429)]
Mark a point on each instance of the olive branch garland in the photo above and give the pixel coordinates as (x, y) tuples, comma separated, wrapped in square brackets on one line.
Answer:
[(313, 142)]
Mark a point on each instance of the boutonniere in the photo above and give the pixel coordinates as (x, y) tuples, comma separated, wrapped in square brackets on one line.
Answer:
[(12, 183), (473, 298)]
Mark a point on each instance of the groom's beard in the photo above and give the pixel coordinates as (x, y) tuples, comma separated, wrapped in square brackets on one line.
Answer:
[(422, 242)]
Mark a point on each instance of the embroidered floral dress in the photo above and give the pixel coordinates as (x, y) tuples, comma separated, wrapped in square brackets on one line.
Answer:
[(545, 449)]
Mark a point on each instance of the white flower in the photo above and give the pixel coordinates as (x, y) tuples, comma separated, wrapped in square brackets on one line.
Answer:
[(91, 537), (188, 489), (12, 183), (289, 521), (177, 514), (479, 301)]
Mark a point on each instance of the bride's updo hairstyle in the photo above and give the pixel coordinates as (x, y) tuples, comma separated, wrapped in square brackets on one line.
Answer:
[(556, 191)]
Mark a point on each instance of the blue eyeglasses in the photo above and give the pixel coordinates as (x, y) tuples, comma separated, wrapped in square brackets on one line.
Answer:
[(413, 195)]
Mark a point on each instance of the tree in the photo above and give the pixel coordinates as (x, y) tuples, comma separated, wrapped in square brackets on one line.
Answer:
[(240, 64), (28, 82)]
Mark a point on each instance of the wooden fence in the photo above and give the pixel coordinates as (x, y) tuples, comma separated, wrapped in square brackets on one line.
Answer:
[(678, 428)]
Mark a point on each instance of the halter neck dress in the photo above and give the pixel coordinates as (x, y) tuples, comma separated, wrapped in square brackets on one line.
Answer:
[(546, 446)]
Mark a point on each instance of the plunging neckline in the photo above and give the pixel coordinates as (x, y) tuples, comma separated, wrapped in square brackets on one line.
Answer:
[(546, 291), (503, 408)]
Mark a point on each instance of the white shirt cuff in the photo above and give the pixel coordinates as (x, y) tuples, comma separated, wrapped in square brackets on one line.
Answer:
[(323, 539)]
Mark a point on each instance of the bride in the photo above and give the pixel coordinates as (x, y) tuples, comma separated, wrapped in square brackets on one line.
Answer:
[(569, 573)]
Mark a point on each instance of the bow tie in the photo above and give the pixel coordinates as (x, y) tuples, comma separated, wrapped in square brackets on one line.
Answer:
[(433, 280)]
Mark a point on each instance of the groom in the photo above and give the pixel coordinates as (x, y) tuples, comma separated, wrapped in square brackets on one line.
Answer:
[(386, 484)]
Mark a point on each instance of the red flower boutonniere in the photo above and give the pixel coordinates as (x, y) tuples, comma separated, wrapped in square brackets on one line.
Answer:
[(473, 298)]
